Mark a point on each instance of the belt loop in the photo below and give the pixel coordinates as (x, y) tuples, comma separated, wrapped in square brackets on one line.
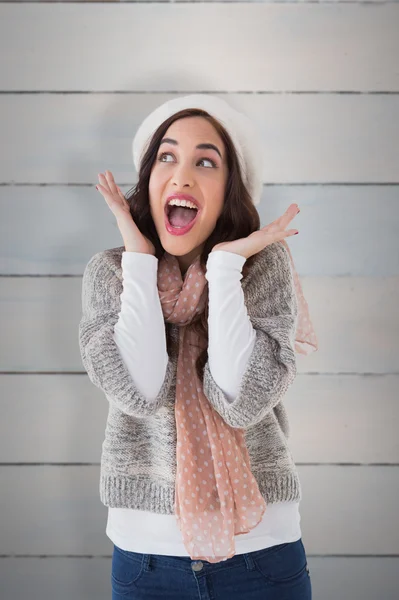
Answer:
[(147, 562), (249, 562)]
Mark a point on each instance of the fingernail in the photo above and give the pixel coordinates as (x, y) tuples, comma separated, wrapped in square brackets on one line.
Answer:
[(296, 232), (96, 187)]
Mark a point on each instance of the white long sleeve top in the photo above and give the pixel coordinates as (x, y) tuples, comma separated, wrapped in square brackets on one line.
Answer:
[(140, 336)]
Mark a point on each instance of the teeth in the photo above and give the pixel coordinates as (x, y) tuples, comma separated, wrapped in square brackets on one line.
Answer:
[(186, 203)]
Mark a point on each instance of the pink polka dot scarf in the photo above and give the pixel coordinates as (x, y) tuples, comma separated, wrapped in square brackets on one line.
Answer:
[(217, 497)]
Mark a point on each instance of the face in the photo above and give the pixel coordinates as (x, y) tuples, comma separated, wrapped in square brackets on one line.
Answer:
[(181, 167)]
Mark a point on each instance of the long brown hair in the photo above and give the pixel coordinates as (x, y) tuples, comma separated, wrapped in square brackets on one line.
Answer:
[(239, 217)]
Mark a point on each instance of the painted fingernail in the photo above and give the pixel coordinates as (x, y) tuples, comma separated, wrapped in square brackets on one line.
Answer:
[(296, 232)]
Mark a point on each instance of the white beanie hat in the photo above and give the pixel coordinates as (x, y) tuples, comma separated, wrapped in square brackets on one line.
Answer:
[(246, 141)]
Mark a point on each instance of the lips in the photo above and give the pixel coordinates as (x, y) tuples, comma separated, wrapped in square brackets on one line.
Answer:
[(181, 196), (179, 230)]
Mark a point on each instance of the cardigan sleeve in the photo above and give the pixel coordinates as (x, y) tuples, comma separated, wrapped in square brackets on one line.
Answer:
[(273, 310), (101, 304)]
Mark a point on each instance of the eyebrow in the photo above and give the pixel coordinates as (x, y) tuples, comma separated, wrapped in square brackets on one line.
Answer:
[(205, 146)]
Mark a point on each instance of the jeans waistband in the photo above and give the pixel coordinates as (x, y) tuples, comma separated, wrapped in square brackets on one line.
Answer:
[(187, 564)]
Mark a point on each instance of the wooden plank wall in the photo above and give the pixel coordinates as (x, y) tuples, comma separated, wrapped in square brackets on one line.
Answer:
[(321, 81)]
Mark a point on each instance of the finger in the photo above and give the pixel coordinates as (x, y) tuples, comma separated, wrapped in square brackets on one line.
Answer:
[(111, 182), (283, 221), (104, 181), (276, 236), (108, 181), (289, 214), (283, 234), (104, 191)]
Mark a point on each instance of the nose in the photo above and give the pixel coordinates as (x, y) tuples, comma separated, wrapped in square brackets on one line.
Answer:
[(182, 176)]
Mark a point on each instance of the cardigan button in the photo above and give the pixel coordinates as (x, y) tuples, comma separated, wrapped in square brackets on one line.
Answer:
[(197, 565)]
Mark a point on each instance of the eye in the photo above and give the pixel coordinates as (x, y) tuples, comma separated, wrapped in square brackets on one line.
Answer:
[(209, 160), (160, 157)]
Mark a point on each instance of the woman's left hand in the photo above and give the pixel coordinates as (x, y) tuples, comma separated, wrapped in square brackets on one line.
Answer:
[(256, 241)]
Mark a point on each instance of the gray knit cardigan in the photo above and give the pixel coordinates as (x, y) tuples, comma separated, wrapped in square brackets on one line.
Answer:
[(138, 460)]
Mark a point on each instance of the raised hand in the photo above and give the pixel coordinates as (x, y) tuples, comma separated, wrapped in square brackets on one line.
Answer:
[(133, 239), (256, 241)]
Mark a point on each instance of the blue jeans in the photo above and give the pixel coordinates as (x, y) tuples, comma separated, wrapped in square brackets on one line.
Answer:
[(280, 572)]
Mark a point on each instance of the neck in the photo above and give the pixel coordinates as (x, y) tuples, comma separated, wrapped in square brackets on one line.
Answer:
[(187, 259)]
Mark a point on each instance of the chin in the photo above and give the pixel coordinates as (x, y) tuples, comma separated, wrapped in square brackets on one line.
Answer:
[(178, 247)]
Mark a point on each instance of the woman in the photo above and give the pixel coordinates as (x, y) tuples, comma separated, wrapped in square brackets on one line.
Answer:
[(202, 489)]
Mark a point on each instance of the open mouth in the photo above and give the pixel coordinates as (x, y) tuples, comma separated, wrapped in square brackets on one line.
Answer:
[(180, 219)]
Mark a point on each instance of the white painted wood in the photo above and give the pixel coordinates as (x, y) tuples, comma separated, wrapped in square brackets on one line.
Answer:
[(72, 223), (39, 318), (350, 507), (59, 419), (363, 578), (291, 47), (355, 319), (57, 578), (307, 138), (356, 323), (212, 1), (87, 578), (344, 418), (333, 419), (56, 510)]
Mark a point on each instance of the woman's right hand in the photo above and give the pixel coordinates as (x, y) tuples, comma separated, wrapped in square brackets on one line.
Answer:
[(133, 239)]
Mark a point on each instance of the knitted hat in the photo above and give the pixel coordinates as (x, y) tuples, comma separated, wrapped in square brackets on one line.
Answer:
[(242, 131)]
